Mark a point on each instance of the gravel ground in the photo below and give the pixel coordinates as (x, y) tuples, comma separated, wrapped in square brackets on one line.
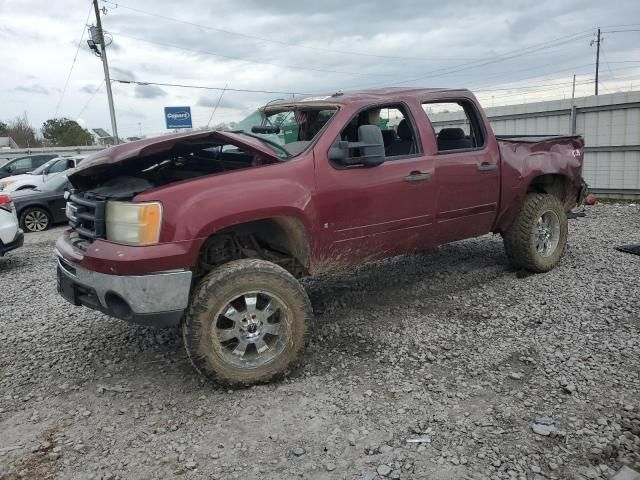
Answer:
[(446, 364)]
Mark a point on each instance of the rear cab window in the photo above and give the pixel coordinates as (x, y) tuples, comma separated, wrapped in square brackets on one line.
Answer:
[(456, 125)]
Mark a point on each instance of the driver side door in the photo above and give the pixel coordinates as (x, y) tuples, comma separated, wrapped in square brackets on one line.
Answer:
[(366, 213)]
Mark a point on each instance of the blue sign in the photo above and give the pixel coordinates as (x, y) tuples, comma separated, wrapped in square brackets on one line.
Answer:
[(178, 117)]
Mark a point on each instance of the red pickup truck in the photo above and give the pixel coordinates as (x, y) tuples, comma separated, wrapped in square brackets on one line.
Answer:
[(210, 229)]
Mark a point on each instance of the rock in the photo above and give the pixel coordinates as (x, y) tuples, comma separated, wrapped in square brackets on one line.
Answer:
[(626, 473), (541, 429), (384, 470), (544, 420), (298, 451), (330, 466), (516, 375)]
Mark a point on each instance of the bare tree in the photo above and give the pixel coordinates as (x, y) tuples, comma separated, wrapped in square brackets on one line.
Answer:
[(21, 131)]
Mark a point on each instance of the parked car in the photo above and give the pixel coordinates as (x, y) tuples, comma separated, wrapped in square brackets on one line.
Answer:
[(40, 175), (40, 208), (11, 237), (25, 164), (210, 229)]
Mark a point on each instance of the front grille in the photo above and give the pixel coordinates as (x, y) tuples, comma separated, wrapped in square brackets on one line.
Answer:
[(86, 213)]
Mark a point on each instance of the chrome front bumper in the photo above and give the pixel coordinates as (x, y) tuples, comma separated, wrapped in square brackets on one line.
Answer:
[(155, 299)]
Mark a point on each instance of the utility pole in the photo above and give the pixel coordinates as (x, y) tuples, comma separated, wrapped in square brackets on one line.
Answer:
[(597, 42), (574, 111), (98, 37)]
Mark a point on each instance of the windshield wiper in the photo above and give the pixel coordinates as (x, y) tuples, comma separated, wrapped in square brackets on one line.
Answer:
[(268, 142)]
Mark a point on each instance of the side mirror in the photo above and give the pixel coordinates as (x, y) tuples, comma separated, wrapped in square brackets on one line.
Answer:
[(373, 145), (70, 164), (370, 144)]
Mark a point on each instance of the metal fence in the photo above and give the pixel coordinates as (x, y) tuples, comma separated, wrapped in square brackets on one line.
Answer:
[(610, 125), (62, 151)]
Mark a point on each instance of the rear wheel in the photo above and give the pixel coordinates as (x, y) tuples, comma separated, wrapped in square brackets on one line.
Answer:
[(35, 219), (537, 238), (247, 322)]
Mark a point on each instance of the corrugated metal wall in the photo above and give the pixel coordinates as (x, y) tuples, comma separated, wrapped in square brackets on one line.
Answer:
[(609, 123)]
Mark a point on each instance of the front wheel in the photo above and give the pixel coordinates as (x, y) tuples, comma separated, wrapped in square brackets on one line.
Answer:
[(537, 238), (247, 322)]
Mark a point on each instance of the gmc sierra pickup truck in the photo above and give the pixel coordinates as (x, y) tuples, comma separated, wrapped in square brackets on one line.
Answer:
[(209, 230)]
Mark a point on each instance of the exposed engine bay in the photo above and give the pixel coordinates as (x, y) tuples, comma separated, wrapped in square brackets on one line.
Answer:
[(185, 160)]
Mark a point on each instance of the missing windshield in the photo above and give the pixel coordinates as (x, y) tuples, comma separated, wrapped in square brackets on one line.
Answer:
[(289, 129)]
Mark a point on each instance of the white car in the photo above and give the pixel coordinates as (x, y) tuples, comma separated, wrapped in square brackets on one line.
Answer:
[(44, 172), (11, 236)]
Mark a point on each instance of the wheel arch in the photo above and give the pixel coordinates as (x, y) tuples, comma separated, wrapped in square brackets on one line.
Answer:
[(555, 184), (272, 238)]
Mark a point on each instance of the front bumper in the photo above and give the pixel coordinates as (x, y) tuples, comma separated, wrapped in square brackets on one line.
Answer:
[(157, 299), (17, 242)]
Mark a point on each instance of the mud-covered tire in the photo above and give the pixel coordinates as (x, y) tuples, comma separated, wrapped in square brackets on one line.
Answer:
[(226, 289), (521, 241)]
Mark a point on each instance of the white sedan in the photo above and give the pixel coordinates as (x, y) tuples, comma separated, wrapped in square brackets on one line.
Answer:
[(44, 172)]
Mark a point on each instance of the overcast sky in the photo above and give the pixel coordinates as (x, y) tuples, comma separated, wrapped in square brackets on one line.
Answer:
[(507, 51)]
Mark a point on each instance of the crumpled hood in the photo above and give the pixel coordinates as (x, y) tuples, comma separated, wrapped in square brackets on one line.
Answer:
[(149, 146)]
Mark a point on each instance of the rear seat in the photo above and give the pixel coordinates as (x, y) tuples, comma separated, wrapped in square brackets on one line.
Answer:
[(453, 139)]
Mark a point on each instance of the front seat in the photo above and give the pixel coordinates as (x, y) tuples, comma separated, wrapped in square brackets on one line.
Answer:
[(404, 145), (453, 139)]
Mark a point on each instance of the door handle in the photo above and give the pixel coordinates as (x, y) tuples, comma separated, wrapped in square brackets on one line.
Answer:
[(418, 177), (487, 167)]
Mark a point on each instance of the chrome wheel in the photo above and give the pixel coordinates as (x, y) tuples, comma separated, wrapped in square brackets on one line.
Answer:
[(36, 221), (547, 233), (251, 329)]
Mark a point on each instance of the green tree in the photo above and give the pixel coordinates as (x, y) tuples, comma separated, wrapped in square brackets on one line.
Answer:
[(21, 131), (62, 132)]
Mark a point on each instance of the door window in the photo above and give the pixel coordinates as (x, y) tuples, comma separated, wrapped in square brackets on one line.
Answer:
[(456, 125), (20, 164), (398, 131)]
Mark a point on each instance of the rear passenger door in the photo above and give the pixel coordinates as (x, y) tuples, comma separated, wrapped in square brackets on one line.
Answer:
[(466, 170)]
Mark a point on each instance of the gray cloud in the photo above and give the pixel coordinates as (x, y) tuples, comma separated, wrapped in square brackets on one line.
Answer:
[(224, 102), (122, 73), (35, 88), (89, 88), (149, 91)]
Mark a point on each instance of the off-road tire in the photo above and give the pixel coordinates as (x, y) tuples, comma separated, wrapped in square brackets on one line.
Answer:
[(30, 212), (211, 295), (520, 239)]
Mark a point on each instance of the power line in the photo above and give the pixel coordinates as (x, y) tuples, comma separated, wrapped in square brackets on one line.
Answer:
[(91, 98), (499, 58), (217, 104), (270, 40), (205, 52), (66, 84), (203, 87)]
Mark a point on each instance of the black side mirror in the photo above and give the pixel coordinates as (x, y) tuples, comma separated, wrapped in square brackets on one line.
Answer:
[(371, 147), (370, 136)]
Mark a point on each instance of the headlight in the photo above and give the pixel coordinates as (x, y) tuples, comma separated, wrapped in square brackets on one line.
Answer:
[(4, 184), (134, 223)]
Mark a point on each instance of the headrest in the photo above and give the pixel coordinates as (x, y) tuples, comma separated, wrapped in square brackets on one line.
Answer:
[(404, 132), (451, 134)]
